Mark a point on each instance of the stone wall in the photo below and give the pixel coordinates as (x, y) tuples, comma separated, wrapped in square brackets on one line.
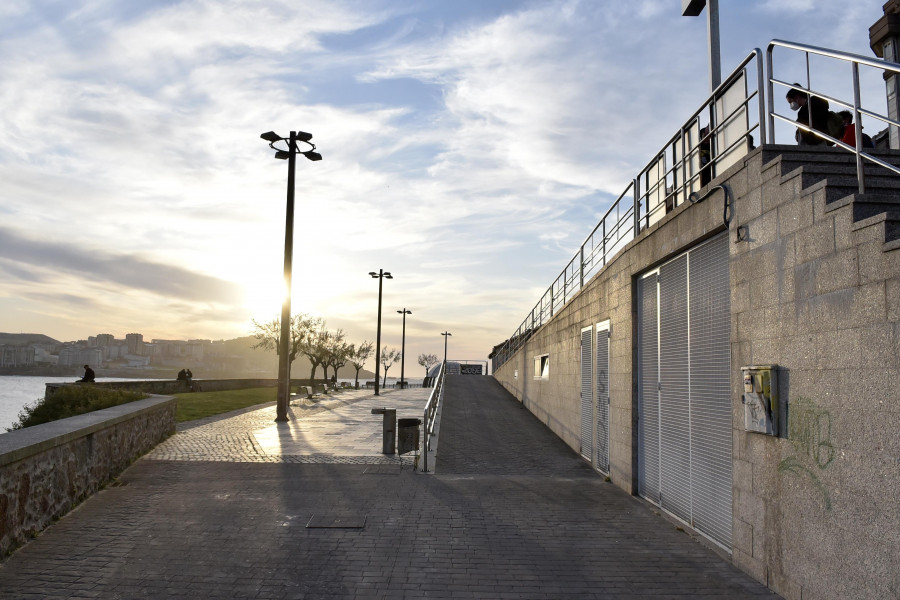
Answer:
[(815, 289), (47, 469)]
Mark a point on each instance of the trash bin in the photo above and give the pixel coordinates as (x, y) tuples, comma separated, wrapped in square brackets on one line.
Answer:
[(407, 435)]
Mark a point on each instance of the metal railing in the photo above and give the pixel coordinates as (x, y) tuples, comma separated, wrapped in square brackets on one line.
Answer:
[(855, 61), (716, 136), (434, 401)]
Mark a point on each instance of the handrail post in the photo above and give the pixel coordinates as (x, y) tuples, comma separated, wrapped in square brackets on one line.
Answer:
[(770, 91), (637, 207), (581, 267), (860, 170), (760, 102)]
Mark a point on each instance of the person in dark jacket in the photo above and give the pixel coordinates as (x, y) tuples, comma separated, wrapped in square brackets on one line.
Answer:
[(88, 375), (812, 111)]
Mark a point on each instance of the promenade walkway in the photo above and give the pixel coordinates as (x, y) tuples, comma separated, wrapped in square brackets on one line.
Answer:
[(241, 507)]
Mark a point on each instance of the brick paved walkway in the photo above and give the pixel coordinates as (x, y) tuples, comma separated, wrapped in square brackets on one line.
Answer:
[(511, 513)]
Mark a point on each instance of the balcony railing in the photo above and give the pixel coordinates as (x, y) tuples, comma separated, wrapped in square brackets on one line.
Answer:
[(715, 137)]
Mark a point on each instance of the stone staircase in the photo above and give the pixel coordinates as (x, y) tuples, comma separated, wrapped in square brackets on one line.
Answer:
[(833, 170)]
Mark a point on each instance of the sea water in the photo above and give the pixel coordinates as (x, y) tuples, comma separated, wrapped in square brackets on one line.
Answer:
[(17, 391)]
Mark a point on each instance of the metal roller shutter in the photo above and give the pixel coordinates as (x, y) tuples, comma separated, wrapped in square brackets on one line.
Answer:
[(711, 477), (587, 397), (603, 396), (684, 390), (648, 389)]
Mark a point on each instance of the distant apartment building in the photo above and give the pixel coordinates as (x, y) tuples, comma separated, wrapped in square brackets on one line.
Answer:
[(135, 342), (16, 356), (102, 340), (75, 355)]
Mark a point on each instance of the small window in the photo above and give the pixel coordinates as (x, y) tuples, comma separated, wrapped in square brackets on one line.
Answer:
[(542, 367)]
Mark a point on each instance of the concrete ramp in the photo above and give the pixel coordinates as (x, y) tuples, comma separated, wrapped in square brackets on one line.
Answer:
[(485, 430)]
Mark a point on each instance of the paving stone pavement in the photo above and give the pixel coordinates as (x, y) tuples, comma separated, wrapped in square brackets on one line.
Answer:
[(224, 510)]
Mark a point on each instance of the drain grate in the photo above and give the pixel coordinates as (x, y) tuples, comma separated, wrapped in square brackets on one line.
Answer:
[(337, 522)]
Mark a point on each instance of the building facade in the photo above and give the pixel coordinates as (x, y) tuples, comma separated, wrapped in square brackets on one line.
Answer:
[(735, 366)]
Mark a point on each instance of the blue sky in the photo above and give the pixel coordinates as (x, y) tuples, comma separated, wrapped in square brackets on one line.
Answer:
[(469, 147)]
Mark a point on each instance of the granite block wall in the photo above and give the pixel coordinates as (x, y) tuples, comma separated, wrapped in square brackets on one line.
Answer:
[(48, 469)]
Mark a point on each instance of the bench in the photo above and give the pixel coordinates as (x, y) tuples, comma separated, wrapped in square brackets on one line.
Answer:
[(305, 390), (370, 385)]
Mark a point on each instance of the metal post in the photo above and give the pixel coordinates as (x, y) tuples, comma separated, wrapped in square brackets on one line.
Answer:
[(378, 334), (403, 348), (581, 268), (860, 170), (637, 208), (446, 335), (712, 33), (284, 361)]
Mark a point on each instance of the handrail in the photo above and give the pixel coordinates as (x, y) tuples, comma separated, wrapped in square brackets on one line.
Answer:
[(434, 400), (858, 111), (664, 188)]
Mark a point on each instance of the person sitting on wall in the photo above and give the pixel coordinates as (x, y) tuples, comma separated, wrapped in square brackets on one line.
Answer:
[(88, 375), (189, 377), (805, 104), (182, 375)]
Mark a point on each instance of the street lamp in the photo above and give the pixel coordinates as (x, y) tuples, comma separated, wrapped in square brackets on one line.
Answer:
[(446, 335), (380, 276), (404, 312), (284, 362)]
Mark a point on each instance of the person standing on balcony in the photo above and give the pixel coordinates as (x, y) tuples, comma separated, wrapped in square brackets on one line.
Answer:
[(812, 111)]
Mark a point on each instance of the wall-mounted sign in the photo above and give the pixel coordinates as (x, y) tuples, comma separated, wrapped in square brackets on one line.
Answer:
[(470, 369)]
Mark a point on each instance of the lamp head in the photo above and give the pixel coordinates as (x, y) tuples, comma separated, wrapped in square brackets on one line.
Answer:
[(387, 275), (373, 273), (302, 136), (271, 136), (282, 154), (313, 156)]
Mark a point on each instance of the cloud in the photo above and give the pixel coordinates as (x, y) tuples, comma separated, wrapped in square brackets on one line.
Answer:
[(128, 271)]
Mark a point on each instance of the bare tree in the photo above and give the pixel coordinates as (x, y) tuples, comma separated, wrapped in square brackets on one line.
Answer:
[(316, 348), (428, 361), (337, 354), (359, 355), (268, 335), (388, 359)]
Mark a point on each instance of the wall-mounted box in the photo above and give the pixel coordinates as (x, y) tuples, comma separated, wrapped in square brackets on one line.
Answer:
[(760, 399)]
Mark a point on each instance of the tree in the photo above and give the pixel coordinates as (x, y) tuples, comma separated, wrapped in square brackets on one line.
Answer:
[(359, 355), (388, 359), (316, 348), (337, 352), (268, 335), (428, 361)]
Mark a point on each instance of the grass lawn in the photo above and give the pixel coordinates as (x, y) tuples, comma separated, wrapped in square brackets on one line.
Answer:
[(196, 405)]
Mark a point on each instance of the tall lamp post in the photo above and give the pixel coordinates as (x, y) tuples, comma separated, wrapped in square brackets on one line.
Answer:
[(404, 312), (284, 362), (693, 8), (380, 276), (446, 335)]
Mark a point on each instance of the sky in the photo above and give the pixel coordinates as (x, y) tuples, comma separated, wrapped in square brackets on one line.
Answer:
[(469, 148)]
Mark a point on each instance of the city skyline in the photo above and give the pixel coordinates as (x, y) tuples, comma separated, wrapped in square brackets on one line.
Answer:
[(468, 148)]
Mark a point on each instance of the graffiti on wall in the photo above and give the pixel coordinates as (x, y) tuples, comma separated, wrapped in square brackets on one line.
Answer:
[(810, 435)]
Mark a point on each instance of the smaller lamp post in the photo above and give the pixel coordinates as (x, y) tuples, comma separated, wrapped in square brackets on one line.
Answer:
[(380, 276), (404, 312), (446, 335)]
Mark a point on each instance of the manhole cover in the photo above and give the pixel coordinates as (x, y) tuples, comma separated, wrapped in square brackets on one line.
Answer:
[(337, 522)]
